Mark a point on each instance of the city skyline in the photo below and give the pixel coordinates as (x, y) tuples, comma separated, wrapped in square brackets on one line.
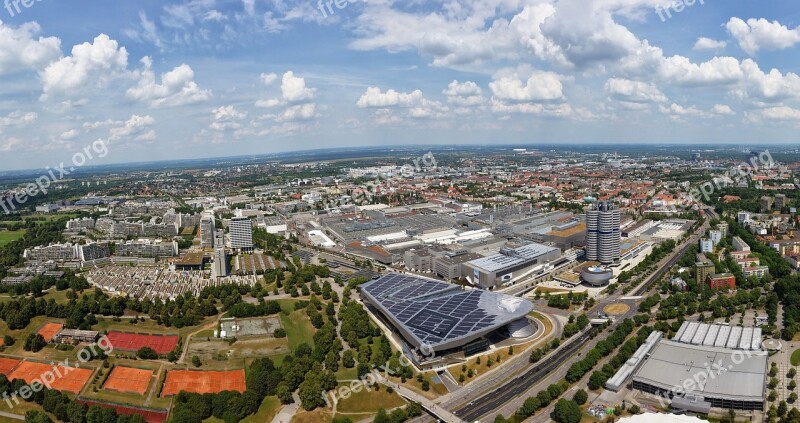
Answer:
[(208, 78)]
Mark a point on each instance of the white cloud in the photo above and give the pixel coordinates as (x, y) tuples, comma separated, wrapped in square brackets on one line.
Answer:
[(375, 98), (69, 135), (722, 110), (177, 87), (778, 113), (226, 118), (268, 78), (294, 88), (20, 49), (634, 91), (542, 86), (92, 64), (761, 34), (299, 112), (704, 43), (136, 128)]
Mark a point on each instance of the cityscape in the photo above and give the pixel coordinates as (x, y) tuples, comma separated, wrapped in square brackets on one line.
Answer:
[(532, 211)]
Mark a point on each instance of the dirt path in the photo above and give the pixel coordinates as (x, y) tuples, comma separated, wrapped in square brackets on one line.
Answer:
[(189, 338)]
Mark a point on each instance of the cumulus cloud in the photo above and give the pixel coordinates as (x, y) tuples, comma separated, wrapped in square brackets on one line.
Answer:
[(634, 91), (137, 128), (542, 86), (177, 87), (20, 48), (227, 118), (761, 34), (91, 64), (375, 98)]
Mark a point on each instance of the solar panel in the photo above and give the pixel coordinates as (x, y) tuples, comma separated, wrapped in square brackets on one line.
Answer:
[(438, 313)]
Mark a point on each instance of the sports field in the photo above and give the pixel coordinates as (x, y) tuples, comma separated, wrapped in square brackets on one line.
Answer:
[(127, 341), (65, 379), (49, 331), (128, 379), (203, 382)]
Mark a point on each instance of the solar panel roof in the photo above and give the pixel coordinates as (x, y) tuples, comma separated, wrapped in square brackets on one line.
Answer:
[(439, 314)]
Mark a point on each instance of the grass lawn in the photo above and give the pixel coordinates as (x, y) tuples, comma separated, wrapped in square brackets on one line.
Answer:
[(298, 329), (148, 326), (316, 416), (795, 358), (7, 237), (269, 409), (369, 401)]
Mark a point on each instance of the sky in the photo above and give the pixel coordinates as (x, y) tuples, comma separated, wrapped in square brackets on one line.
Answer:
[(164, 80)]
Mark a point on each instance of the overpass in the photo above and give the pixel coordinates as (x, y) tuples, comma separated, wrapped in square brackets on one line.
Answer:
[(439, 412)]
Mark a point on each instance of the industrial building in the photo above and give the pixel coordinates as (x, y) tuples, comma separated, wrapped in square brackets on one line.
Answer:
[(603, 235), (701, 377), (511, 263)]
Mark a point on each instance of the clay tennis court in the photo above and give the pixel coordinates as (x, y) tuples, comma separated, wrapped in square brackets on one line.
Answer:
[(128, 379), (71, 380), (7, 365), (203, 382), (133, 341), (49, 331)]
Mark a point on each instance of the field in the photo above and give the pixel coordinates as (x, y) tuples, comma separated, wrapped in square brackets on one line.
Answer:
[(127, 341), (211, 349), (128, 379), (617, 309), (71, 380), (369, 402), (7, 237), (202, 382)]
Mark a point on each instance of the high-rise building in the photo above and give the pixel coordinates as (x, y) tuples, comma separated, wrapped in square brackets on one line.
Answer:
[(207, 231), (706, 245), (767, 203), (780, 201), (603, 235), (702, 268), (220, 263), (241, 230)]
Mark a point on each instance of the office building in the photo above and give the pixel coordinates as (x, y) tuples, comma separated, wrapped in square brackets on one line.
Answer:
[(241, 231), (509, 265), (603, 235)]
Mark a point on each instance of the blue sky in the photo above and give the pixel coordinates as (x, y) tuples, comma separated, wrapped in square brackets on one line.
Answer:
[(160, 80)]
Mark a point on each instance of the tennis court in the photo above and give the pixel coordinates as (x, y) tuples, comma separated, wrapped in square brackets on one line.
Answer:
[(7, 365), (128, 379), (203, 382), (50, 330), (65, 379), (127, 341)]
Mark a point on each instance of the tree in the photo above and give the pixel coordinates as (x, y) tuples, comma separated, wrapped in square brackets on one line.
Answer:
[(348, 360), (34, 343), (8, 340), (147, 353), (580, 397), (196, 361), (567, 411), (36, 416)]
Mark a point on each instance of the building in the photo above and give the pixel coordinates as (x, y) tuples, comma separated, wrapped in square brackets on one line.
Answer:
[(715, 235), (780, 201), (418, 260), (71, 336), (757, 271), (55, 252), (740, 245), (146, 248), (221, 268), (511, 263), (721, 281), (597, 275), (766, 203), (450, 265), (207, 231), (740, 386), (241, 231), (444, 319), (706, 245), (603, 236), (724, 228), (93, 251)]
